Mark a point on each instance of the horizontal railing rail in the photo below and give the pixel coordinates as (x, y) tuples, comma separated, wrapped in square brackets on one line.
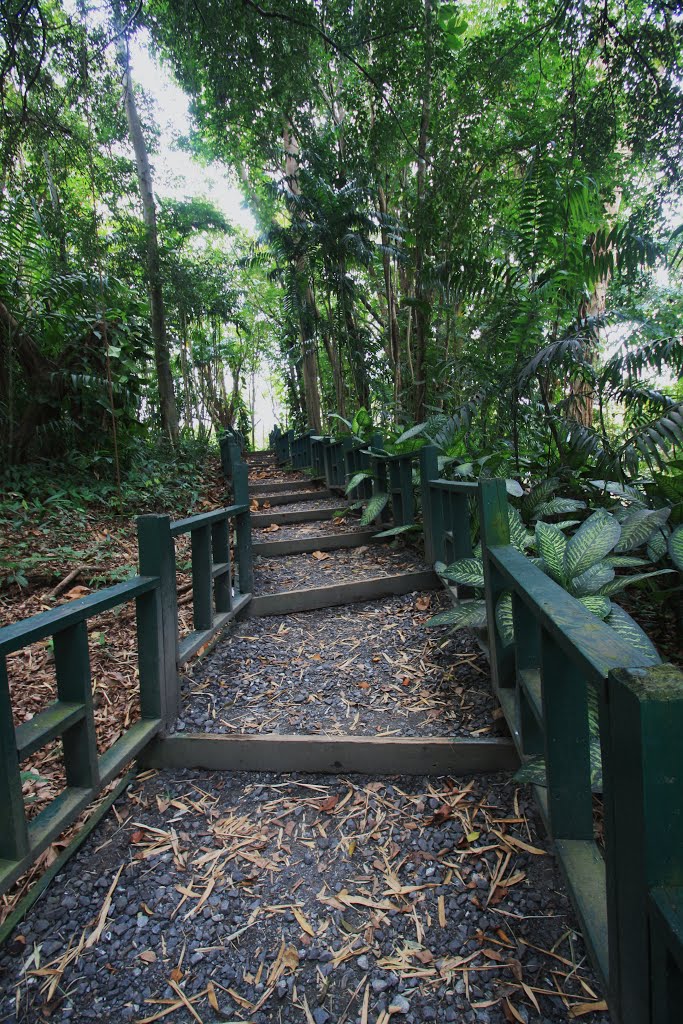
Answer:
[(71, 717)]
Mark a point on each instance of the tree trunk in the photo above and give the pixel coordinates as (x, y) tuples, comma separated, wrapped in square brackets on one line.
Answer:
[(309, 351), (393, 334), (167, 406), (422, 311), (56, 208)]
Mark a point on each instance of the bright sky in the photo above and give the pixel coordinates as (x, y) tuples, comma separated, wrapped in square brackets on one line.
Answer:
[(176, 174)]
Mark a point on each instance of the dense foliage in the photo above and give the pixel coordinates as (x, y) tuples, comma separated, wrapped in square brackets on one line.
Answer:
[(468, 220)]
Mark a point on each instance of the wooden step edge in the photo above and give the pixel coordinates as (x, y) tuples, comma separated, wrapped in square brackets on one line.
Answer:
[(372, 755), (306, 515), (333, 594), (325, 542), (292, 499)]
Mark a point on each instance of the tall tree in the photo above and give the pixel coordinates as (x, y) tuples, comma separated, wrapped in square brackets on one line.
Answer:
[(167, 404)]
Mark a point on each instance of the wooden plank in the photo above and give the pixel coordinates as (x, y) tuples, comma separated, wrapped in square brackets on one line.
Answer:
[(286, 487), (591, 644), (39, 887), (191, 643), (334, 594), (641, 721), (13, 829), (292, 498), (327, 542), (202, 588), (47, 725), (305, 515), (156, 552), (37, 627), (584, 870), (378, 755), (205, 519)]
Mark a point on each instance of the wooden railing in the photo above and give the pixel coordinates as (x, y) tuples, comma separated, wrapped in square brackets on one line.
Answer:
[(218, 594), (70, 717), (628, 892)]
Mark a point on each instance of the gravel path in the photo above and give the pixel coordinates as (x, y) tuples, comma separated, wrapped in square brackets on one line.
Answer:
[(320, 568), (287, 899), (320, 528), (373, 669), (296, 506), (261, 898)]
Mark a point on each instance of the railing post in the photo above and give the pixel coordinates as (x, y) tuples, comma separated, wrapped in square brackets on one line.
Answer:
[(347, 458), (202, 596), (240, 484), (641, 728), (220, 547), (567, 743), (432, 525), (72, 668), (156, 552), (495, 532), (13, 829)]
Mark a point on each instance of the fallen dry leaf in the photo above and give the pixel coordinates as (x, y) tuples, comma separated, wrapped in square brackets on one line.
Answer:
[(581, 1009)]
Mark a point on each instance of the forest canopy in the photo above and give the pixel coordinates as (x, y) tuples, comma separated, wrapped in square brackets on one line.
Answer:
[(469, 217)]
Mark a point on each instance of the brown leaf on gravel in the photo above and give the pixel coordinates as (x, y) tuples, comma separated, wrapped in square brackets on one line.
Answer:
[(440, 816), (320, 555), (329, 804), (581, 1009)]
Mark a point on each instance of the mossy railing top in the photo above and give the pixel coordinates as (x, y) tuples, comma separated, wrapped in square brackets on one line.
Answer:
[(629, 896)]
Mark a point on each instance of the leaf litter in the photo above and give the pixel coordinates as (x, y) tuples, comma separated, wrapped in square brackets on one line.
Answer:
[(256, 897)]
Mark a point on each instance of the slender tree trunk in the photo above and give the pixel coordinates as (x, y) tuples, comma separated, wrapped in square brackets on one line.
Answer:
[(167, 406), (56, 207), (422, 311), (392, 318)]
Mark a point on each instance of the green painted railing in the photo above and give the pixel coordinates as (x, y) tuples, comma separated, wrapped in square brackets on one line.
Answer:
[(629, 897), (218, 595), (71, 718)]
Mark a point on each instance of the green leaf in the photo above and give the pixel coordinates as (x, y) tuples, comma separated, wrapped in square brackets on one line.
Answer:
[(558, 506), (622, 623), (552, 544), (594, 539), (540, 493), (590, 581), (532, 772), (467, 613), (520, 537), (408, 434), (624, 561), (676, 548), (504, 620), (467, 571), (597, 605), (396, 530), (357, 478), (566, 524), (621, 582), (374, 508), (639, 525), (514, 488), (657, 546)]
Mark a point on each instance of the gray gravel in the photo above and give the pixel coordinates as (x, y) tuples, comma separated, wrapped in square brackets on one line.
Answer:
[(318, 569), (360, 889), (358, 670)]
